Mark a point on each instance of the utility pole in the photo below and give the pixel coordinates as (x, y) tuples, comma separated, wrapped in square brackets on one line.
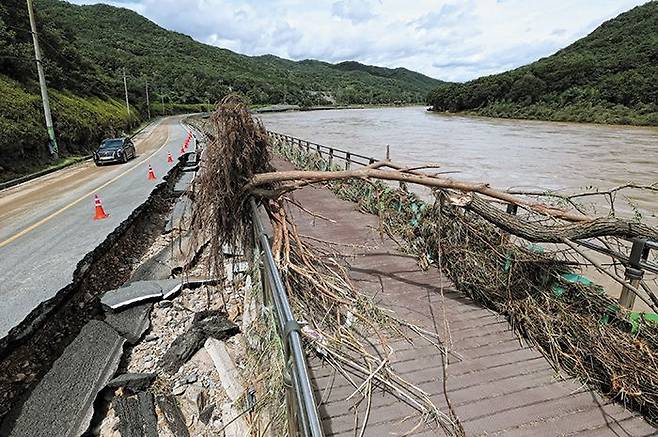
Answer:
[(148, 103), (52, 145), (125, 88)]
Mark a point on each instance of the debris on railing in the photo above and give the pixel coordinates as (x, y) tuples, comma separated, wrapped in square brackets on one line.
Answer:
[(571, 321)]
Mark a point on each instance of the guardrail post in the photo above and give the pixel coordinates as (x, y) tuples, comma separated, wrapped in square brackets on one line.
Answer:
[(331, 157), (348, 160), (634, 272), (308, 147), (317, 148)]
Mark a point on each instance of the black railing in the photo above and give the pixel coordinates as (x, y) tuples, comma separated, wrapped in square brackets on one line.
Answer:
[(331, 152)]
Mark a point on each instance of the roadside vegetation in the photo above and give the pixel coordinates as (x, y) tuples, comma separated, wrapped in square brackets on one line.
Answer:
[(610, 76), (81, 123)]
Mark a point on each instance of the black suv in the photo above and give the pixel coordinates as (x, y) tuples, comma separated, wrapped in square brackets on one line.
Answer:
[(114, 150)]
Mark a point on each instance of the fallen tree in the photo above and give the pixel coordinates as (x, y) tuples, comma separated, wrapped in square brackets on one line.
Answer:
[(463, 231)]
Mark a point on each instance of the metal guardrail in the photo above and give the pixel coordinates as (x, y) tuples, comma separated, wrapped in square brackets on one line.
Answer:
[(331, 152), (304, 419), (636, 263)]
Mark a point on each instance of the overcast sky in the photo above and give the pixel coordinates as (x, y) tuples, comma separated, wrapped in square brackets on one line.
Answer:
[(446, 39)]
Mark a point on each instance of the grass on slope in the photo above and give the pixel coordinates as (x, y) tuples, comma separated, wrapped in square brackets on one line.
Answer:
[(80, 123)]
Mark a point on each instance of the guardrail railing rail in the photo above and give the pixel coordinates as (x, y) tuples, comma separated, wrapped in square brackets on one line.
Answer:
[(304, 419)]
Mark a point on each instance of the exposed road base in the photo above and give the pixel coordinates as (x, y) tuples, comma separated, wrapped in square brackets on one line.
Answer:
[(62, 404)]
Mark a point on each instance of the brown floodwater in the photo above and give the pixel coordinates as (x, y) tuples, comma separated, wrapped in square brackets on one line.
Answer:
[(566, 157)]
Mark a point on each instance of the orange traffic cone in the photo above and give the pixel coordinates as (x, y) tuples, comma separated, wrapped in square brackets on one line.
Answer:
[(170, 158), (100, 212), (151, 174)]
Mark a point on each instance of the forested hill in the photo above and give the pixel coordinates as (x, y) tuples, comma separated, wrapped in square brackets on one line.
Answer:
[(610, 76), (109, 39), (86, 48)]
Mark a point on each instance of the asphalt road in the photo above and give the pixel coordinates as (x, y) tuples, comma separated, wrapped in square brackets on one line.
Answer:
[(47, 226)]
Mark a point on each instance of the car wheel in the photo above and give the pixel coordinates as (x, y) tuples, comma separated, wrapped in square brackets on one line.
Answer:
[(124, 159)]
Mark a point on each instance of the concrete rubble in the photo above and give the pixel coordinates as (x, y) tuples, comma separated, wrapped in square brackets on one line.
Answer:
[(190, 393), (205, 324)]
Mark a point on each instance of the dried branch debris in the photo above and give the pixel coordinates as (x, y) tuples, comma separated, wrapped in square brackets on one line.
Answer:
[(342, 325)]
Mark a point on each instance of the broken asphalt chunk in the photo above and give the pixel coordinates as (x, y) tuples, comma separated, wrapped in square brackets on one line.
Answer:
[(173, 416), (135, 382), (62, 404), (136, 415), (182, 209), (132, 323), (169, 287), (184, 182), (205, 324), (132, 294)]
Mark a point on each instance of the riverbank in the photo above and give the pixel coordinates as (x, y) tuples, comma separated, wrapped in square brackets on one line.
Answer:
[(289, 108), (584, 114)]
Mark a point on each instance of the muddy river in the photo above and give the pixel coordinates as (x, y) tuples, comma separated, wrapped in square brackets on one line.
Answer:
[(565, 157)]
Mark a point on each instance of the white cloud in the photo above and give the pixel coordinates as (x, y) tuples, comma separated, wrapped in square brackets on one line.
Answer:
[(356, 11), (446, 39)]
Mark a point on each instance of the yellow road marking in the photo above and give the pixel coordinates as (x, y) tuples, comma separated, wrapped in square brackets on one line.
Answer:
[(81, 198)]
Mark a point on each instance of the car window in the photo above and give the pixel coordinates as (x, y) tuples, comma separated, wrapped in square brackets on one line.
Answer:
[(111, 144)]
